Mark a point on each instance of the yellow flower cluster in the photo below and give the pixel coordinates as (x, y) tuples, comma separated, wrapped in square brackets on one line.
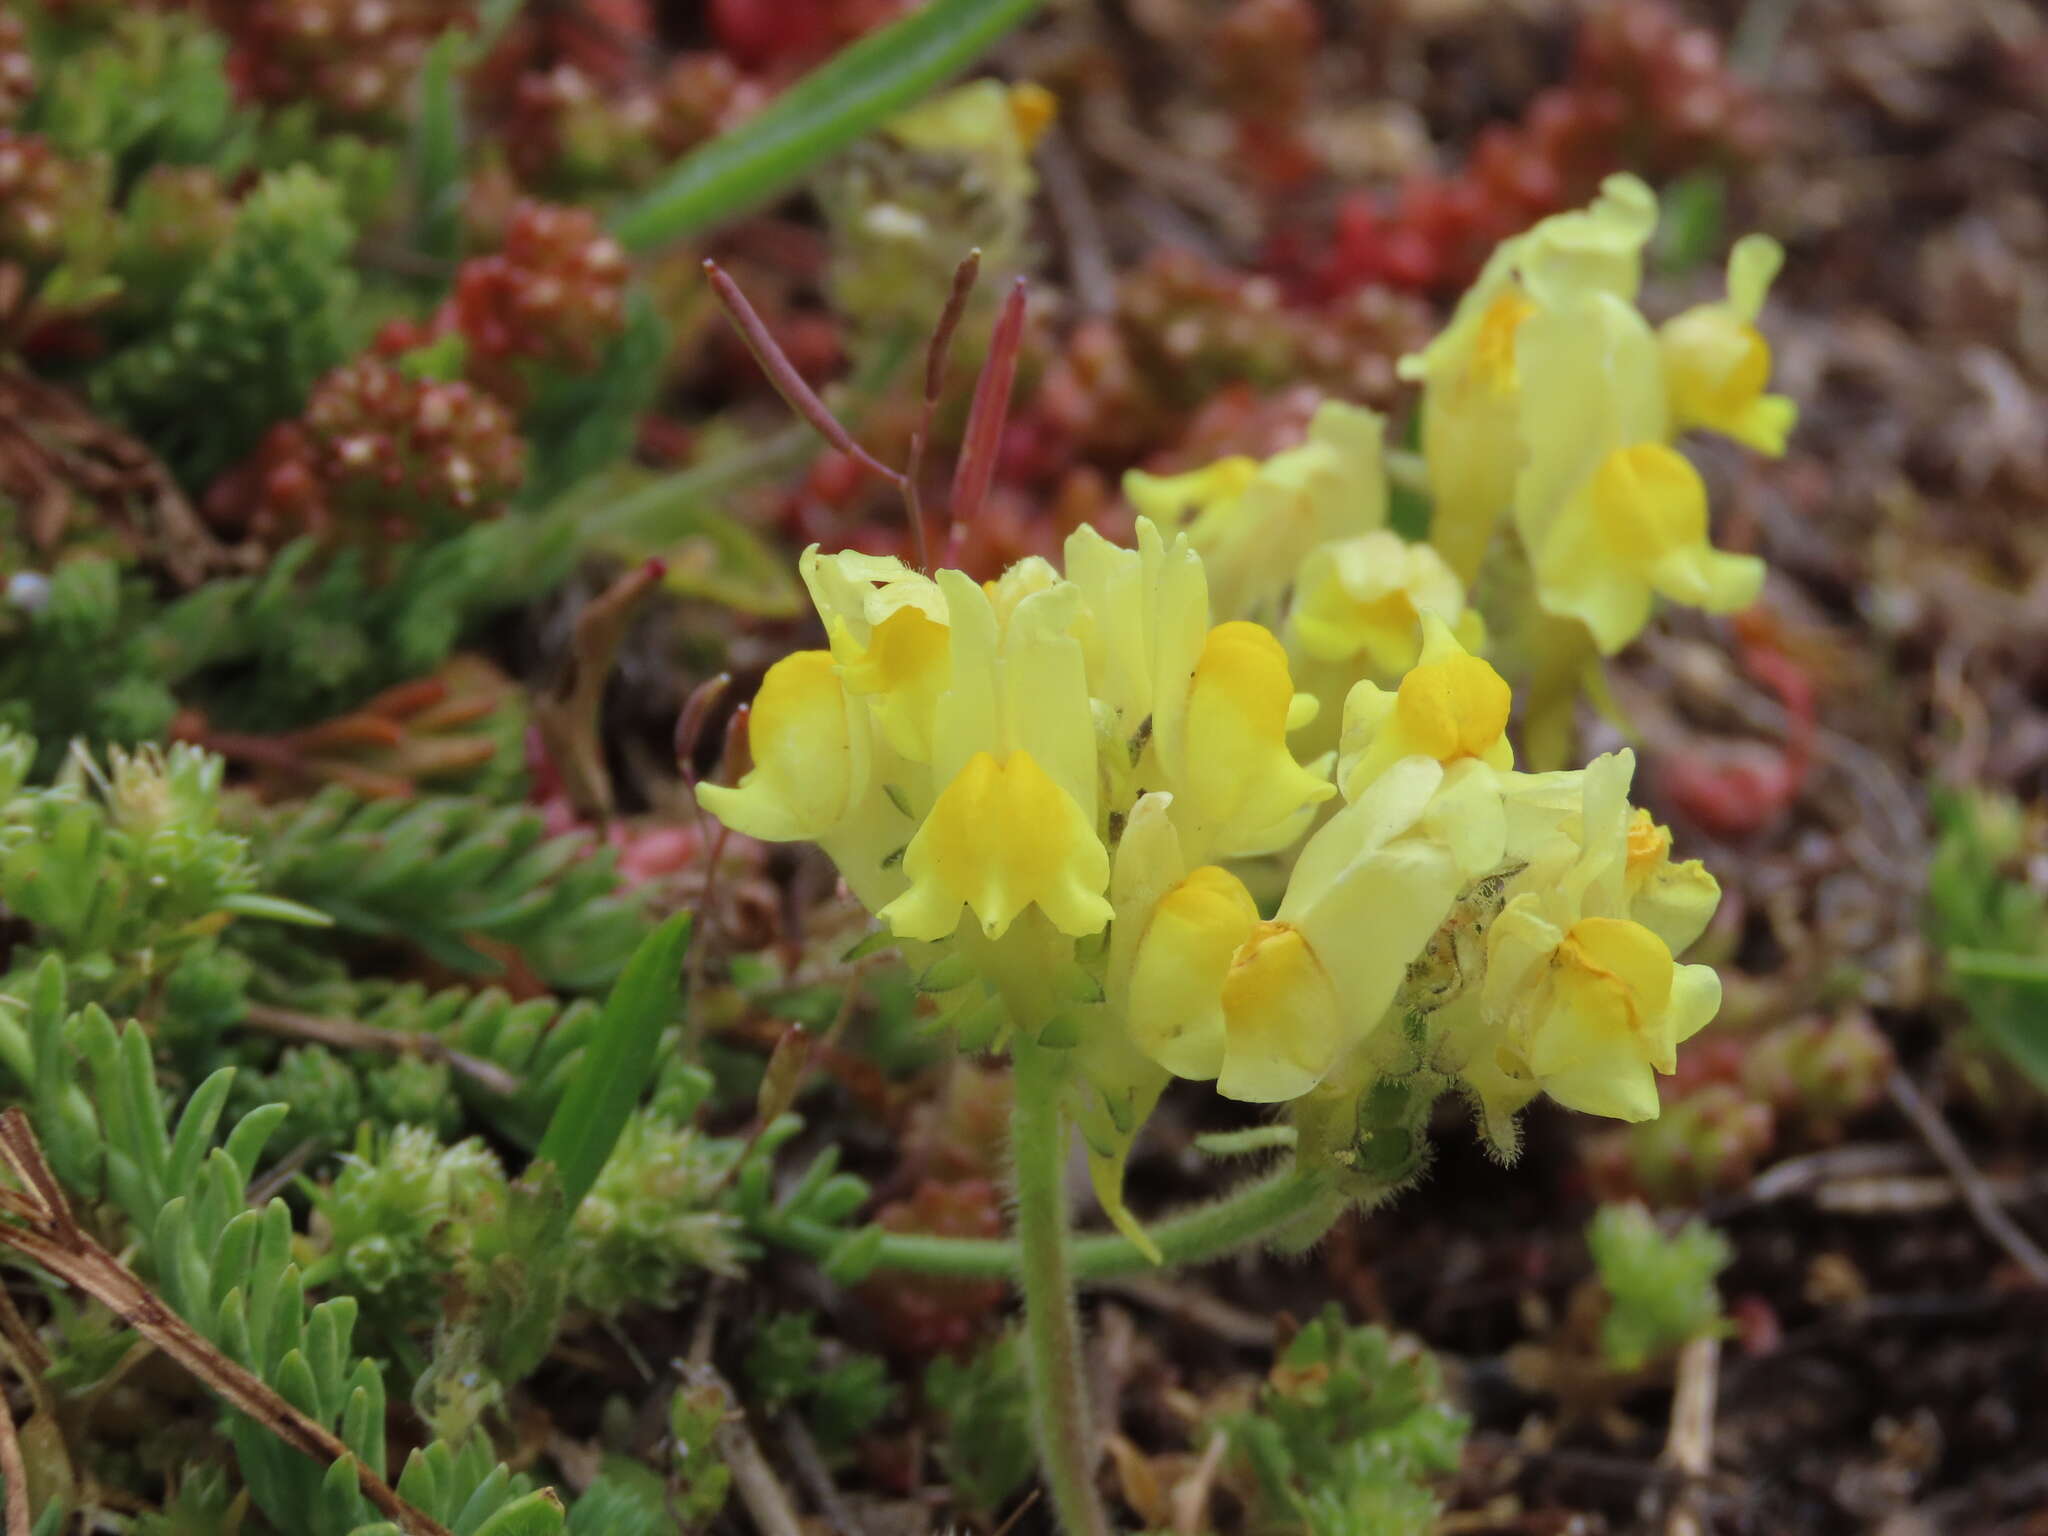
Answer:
[(1549, 405), (1550, 398), (1060, 778), (1239, 805)]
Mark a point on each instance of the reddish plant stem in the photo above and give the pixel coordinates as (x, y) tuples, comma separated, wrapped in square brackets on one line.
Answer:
[(934, 384), (783, 375), (985, 419)]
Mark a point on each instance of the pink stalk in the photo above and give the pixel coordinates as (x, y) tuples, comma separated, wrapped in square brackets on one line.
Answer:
[(934, 383), (783, 375), (985, 419)]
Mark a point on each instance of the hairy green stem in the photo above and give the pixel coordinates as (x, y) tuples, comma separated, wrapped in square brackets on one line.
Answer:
[(1287, 1202), (1052, 1327)]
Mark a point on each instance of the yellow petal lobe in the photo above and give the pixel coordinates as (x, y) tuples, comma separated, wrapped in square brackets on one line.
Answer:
[(1453, 709), (1493, 346), (1241, 779), (1283, 1024), (905, 666), (1176, 997), (1648, 501), (1649, 845), (1607, 1021), (808, 763), (1717, 364), (1002, 836)]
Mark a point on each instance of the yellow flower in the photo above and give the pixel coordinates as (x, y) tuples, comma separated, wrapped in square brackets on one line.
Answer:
[(1674, 901), (1014, 761), (1176, 986), (1450, 708), (887, 626), (1252, 524), (1192, 495), (1474, 372), (811, 755), (821, 775), (1356, 614), (991, 125), (1579, 1000), (1613, 985), (1717, 364), (1020, 580), (1198, 712), (1360, 601), (1268, 1007), (1237, 788), (1147, 620), (1609, 514), (904, 667)]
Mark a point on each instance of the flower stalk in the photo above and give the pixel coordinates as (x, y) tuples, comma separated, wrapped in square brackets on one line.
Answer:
[(1290, 1204), (1060, 1417)]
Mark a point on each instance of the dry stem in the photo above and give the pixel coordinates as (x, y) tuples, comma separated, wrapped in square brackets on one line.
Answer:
[(767, 1501), (1977, 1195), (353, 1035), (1689, 1448), (15, 1470), (50, 1235)]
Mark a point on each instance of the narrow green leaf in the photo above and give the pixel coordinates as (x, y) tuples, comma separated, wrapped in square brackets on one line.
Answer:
[(327, 1336), (341, 1490), (293, 1377), (539, 1513), (246, 1141), (362, 1421), (859, 89), (873, 944), (195, 1130), (1989, 965), (483, 1499), (619, 1062), (232, 1255), (437, 151), (419, 1484), (275, 909), (948, 973)]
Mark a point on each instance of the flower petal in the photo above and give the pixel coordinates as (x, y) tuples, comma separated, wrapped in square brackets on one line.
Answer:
[(1001, 837), (810, 756)]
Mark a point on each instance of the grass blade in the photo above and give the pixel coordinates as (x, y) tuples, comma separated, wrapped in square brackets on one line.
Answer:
[(437, 151), (619, 1060), (857, 90)]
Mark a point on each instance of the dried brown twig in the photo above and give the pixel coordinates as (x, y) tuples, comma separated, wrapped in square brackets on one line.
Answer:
[(49, 1234), (1977, 1195), (15, 1470), (353, 1035), (567, 715), (57, 458), (808, 1463), (767, 1501), (1689, 1448)]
